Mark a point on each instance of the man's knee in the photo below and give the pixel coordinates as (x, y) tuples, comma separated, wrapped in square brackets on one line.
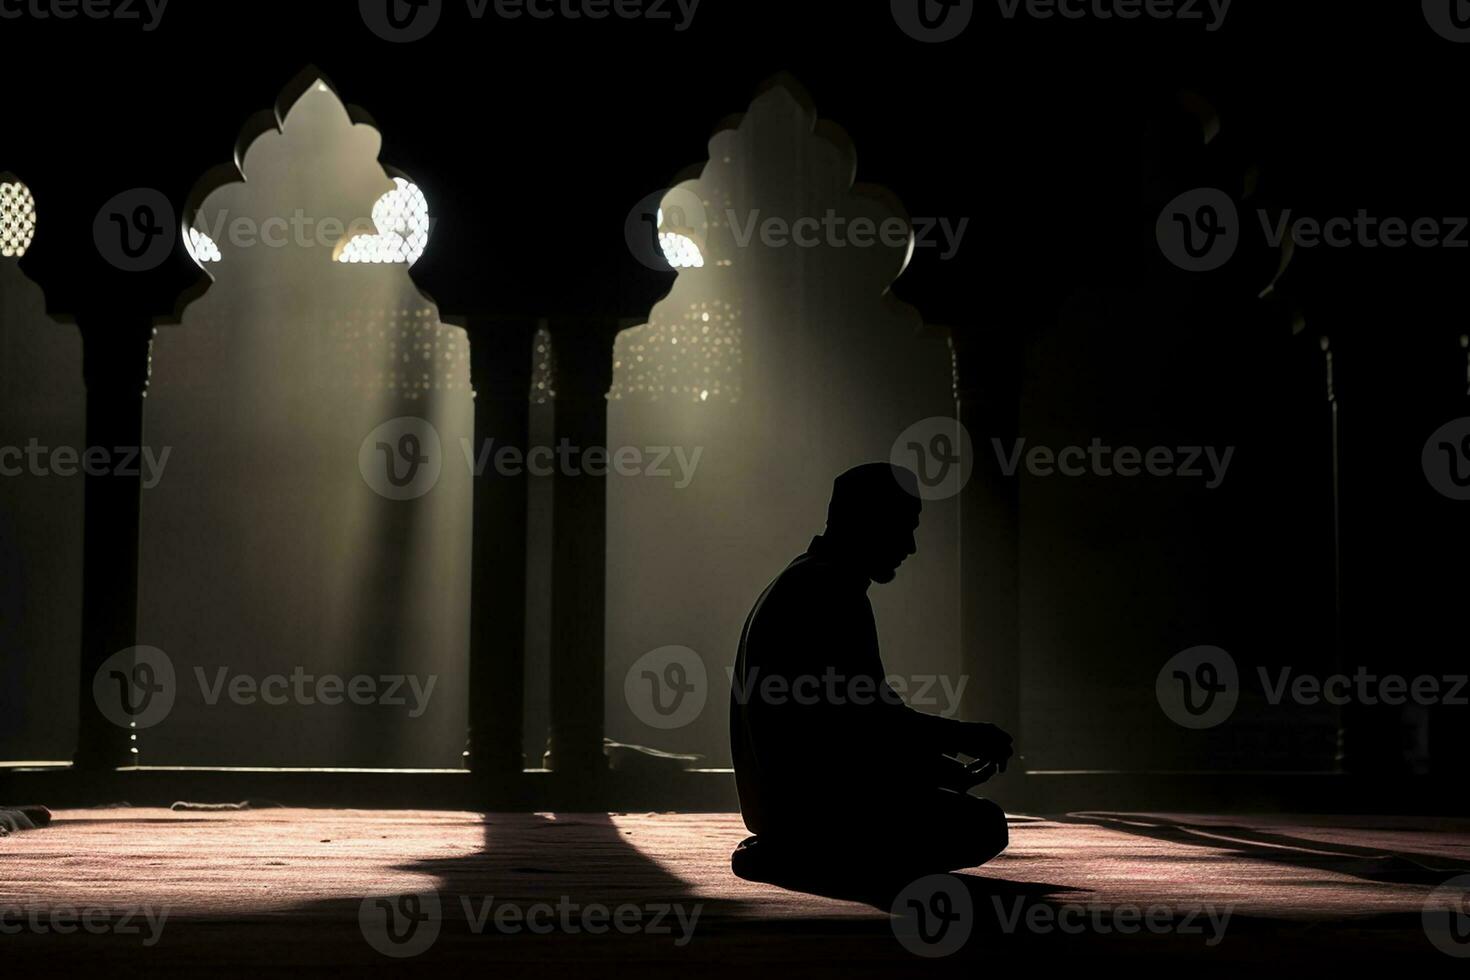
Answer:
[(994, 819)]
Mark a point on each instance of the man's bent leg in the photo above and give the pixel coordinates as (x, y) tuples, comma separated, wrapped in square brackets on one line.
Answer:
[(937, 831), (965, 832)]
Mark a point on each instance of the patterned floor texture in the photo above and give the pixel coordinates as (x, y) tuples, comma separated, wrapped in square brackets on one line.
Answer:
[(149, 891)]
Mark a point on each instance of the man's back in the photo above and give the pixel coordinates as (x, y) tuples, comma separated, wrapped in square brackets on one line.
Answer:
[(805, 711)]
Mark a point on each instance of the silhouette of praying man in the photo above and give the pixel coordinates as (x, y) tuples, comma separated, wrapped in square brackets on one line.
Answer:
[(840, 780)]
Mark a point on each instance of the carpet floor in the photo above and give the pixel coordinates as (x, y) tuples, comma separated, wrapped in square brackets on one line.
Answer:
[(306, 892)]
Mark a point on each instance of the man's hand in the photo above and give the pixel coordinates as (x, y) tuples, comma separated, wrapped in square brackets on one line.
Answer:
[(987, 743)]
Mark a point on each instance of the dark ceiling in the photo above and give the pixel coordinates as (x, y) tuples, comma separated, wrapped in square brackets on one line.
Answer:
[(1028, 127)]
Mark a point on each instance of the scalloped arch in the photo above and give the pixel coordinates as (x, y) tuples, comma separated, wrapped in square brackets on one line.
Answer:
[(306, 175)]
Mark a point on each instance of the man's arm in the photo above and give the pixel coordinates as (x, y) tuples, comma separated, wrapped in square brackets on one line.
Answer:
[(931, 734), (947, 736)]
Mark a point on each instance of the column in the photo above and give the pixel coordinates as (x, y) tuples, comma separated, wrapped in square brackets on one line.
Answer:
[(584, 352), (500, 369)]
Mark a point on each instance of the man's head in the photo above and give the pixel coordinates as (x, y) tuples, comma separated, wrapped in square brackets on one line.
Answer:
[(872, 517)]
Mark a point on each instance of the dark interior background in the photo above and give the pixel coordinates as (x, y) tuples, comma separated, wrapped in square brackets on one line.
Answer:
[(1035, 131)]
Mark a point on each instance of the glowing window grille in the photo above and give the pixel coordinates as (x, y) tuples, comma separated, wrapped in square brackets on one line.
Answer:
[(202, 247), (696, 357), (680, 250), (405, 351), (17, 219), (402, 219)]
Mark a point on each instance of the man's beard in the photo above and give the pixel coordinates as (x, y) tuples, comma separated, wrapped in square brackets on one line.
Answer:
[(885, 576)]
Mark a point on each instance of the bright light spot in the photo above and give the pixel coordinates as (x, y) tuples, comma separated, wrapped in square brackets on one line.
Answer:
[(402, 219), (680, 251), (704, 395), (17, 219), (202, 247)]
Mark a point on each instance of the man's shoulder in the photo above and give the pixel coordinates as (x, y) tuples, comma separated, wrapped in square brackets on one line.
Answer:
[(812, 579)]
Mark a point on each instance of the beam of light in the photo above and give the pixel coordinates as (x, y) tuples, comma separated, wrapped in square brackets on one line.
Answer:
[(17, 219), (402, 219)]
